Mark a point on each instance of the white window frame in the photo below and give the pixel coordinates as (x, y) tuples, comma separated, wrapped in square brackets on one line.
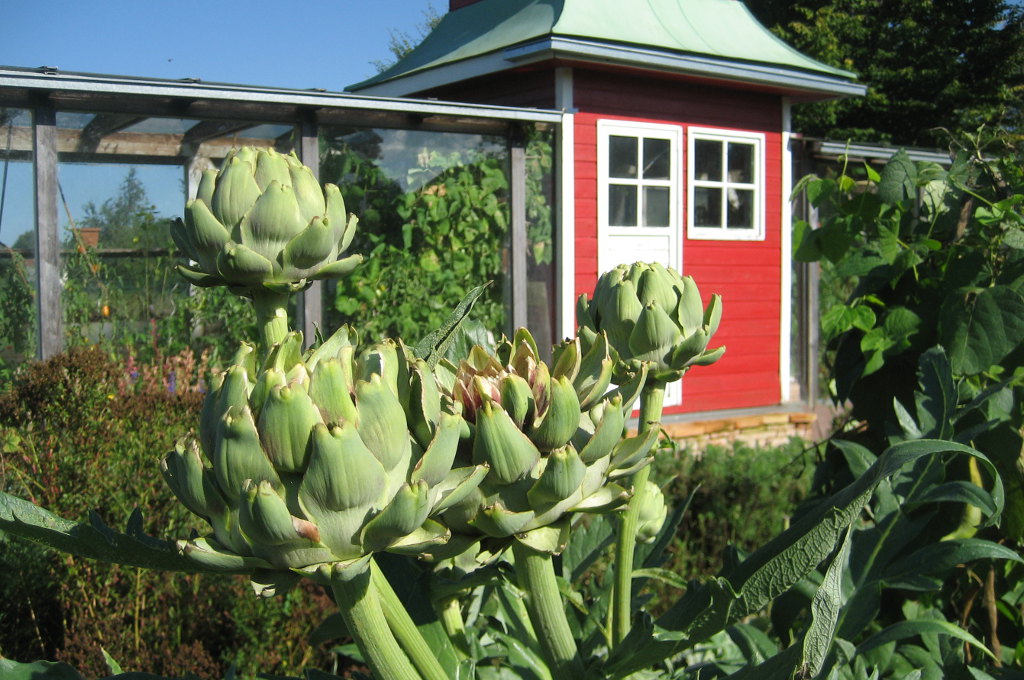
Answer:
[(674, 134), (723, 233)]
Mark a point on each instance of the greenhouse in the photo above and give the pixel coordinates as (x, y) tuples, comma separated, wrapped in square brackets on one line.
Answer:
[(104, 271)]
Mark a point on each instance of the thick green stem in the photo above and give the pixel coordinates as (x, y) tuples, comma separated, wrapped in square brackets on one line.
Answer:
[(450, 612), (547, 612), (405, 630), (652, 399), (271, 318), (361, 608)]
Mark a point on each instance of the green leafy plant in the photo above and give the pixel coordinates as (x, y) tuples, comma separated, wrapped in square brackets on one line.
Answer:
[(506, 476)]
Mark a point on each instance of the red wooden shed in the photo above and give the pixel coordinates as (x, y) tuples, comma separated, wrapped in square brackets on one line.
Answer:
[(674, 148)]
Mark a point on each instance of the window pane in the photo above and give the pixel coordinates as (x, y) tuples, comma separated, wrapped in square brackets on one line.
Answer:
[(622, 156), (707, 160), (741, 162), (621, 205), (657, 153), (707, 207), (17, 240), (656, 206), (741, 209)]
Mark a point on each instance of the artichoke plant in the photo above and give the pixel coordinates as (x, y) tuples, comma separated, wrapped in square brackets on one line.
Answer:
[(551, 438), (263, 227), (651, 315), (320, 459)]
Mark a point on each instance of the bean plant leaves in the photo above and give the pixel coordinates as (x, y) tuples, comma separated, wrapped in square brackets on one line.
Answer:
[(774, 568), (979, 328), (899, 179), (95, 540)]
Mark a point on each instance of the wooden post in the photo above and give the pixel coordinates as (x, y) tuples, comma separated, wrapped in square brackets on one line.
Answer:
[(518, 242), (309, 306), (48, 285)]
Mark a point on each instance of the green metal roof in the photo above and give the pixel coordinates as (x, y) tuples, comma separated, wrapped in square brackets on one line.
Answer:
[(712, 31)]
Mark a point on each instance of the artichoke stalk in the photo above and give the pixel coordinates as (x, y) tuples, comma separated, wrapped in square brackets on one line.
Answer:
[(653, 316), (263, 227)]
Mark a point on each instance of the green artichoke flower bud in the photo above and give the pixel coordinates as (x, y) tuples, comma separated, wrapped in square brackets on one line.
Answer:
[(551, 438), (263, 222), (653, 512), (649, 313), (320, 458)]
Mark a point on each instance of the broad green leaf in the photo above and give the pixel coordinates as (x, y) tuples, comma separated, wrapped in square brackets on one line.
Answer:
[(825, 607), (898, 180), (909, 629), (774, 568), (435, 345), (96, 540), (37, 670), (957, 491), (980, 327), (937, 558)]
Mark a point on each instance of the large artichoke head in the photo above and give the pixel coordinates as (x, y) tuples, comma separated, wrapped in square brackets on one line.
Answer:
[(650, 314), (551, 438), (262, 221), (320, 459)]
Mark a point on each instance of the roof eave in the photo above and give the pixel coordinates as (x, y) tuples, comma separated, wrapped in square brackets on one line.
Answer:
[(809, 84), (52, 80)]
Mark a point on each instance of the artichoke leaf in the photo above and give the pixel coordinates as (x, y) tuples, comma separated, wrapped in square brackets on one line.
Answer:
[(342, 473), (407, 511), (500, 444), (457, 485)]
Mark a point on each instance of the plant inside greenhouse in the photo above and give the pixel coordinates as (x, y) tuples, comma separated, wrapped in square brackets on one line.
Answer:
[(468, 508)]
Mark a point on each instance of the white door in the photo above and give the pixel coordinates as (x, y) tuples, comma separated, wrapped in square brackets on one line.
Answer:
[(639, 209)]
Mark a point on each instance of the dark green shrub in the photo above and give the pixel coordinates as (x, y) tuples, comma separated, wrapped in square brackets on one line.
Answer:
[(73, 430)]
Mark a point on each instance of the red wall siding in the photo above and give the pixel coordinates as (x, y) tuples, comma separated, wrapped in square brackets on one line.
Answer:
[(746, 274)]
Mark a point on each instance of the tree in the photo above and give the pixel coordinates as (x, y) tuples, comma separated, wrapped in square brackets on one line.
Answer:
[(401, 43), (930, 65)]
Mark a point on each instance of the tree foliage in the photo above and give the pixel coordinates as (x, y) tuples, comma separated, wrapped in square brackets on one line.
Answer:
[(929, 65)]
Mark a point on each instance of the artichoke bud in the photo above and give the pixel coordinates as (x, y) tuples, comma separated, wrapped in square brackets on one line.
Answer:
[(310, 246), (331, 392), (188, 478), (342, 473), (497, 520), (286, 425), (436, 462), (307, 192), (266, 521), (654, 336), (382, 424), (656, 286), (653, 512), (287, 354), (235, 193), (203, 233), (273, 221), (595, 372), (238, 456), (407, 511), (560, 418), (632, 453), (207, 184), (265, 383), (567, 359), (609, 422), (271, 167), (500, 444), (562, 475), (517, 399), (381, 360), (243, 265), (423, 404)]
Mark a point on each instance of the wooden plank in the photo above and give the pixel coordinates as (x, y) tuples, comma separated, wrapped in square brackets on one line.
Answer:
[(310, 304), (50, 336), (519, 241)]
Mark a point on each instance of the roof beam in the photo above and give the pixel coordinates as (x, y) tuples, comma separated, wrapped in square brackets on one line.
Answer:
[(212, 129), (104, 124)]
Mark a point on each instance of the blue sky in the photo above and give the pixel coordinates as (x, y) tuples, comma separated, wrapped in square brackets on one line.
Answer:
[(300, 44)]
